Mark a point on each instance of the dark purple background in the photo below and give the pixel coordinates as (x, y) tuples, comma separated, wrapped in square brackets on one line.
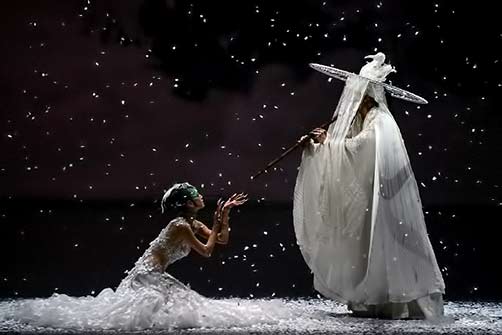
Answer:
[(58, 140), (99, 114)]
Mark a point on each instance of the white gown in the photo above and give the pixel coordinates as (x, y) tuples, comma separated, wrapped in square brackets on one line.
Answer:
[(146, 298), (359, 222)]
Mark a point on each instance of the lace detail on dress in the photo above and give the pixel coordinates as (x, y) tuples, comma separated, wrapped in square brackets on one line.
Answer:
[(166, 247), (147, 298), (359, 133), (172, 250)]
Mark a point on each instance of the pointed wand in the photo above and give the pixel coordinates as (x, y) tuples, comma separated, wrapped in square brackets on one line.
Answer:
[(290, 149)]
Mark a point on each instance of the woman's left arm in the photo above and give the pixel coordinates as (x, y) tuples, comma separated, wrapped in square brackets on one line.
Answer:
[(233, 201), (224, 234), (203, 231)]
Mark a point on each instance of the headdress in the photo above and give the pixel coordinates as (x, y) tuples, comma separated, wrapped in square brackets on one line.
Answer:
[(375, 72), (177, 196)]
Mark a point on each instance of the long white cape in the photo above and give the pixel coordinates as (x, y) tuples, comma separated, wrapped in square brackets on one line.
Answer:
[(357, 211)]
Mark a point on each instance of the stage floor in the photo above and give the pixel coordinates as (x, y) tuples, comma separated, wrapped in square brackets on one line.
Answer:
[(328, 317)]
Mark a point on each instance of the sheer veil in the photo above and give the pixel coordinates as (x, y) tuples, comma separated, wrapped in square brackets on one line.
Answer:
[(357, 212)]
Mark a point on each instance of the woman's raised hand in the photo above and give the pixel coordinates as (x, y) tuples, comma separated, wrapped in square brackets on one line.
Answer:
[(235, 200), (217, 213)]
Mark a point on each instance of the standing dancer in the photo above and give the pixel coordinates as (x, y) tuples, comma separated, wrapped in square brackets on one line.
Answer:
[(357, 211)]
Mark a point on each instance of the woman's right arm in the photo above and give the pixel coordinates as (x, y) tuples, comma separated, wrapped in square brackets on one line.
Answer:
[(203, 249), (314, 140)]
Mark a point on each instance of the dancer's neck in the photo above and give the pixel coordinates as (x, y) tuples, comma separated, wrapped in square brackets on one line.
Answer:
[(189, 216)]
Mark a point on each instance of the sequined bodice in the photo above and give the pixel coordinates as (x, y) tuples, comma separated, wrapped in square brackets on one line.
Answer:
[(164, 245)]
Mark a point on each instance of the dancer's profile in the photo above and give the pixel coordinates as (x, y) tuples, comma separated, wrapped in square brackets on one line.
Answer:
[(148, 297)]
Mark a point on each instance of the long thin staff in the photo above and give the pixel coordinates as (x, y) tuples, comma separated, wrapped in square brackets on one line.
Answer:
[(290, 149)]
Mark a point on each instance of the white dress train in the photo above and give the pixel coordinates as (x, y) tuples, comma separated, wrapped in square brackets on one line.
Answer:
[(146, 298)]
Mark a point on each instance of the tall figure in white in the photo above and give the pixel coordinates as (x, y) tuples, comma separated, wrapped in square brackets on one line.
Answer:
[(357, 211)]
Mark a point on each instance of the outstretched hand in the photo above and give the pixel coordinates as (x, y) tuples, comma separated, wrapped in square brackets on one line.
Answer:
[(235, 200), (217, 212)]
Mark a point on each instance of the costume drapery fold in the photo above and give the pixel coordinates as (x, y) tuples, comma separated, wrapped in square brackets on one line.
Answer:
[(357, 211)]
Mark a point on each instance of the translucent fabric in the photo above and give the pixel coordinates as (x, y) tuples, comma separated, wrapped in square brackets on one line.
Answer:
[(147, 298), (357, 211)]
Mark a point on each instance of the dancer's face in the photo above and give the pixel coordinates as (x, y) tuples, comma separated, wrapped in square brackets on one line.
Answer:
[(367, 103), (197, 202)]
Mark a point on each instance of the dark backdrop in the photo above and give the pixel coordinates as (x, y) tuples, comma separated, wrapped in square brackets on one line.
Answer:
[(104, 104), (81, 248)]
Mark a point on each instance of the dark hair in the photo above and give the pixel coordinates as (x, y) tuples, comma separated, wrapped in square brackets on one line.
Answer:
[(375, 103), (177, 197)]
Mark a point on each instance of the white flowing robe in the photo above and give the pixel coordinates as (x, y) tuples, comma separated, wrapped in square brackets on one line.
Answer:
[(358, 216)]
